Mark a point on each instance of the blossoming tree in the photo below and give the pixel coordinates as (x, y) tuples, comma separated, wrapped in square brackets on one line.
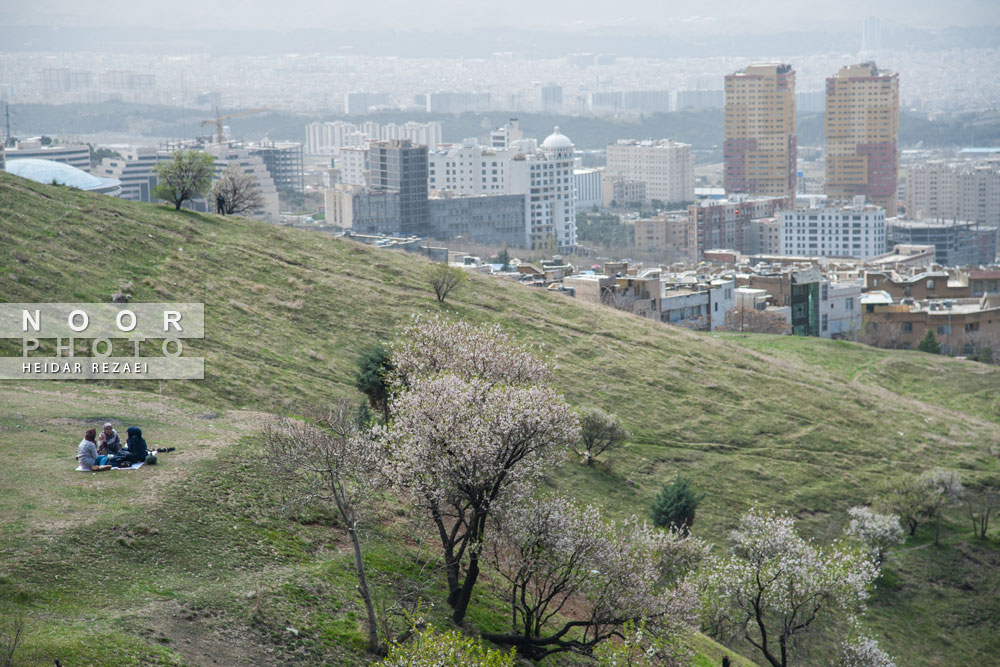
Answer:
[(472, 419), (573, 579), (878, 532), (775, 586)]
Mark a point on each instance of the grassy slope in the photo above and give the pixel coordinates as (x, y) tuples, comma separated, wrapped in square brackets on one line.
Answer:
[(802, 425)]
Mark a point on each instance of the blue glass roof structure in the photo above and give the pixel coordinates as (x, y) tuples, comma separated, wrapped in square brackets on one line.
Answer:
[(47, 171)]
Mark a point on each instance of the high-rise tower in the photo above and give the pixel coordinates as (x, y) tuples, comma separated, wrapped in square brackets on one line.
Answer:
[(862, 133), (760, 140)]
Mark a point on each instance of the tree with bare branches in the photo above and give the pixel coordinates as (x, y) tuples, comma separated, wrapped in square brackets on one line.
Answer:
[(574, 579), (329, 461), (237, 192), (980, 501), (886, 335), (751, 320), (11, 638)]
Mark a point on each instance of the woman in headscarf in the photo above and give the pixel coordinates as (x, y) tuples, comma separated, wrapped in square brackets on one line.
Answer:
[(135, 445), (108, 441), (86, 453)]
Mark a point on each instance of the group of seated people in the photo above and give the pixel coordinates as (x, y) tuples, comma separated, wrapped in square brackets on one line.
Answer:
[(102, 452)]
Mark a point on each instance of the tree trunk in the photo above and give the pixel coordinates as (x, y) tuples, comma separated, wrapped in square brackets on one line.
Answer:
[(359, 564), (177, 204), (465, 592)]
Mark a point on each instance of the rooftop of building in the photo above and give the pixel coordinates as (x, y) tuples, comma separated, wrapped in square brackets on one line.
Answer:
[(650, 143), (49, 171), (866, 69), (780, 68), (937, 224)]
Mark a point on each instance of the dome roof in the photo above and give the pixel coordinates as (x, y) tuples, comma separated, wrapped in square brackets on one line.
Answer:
[(47, 171), (556, 140)]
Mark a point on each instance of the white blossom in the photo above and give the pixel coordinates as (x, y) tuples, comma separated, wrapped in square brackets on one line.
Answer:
[(864, 651), (878, 532), (433, 346), (550, 552), (775, 586)]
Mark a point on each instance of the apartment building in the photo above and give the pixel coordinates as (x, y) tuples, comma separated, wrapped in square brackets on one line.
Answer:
[(759, 149), (362, 102), (351, 164), (725, 223), (765, 236), (673, 237), (921, 286), (956, 243), (857, 231), (862, 135), (954, 190), (328, 138), (621, 192), (358, 209), (666, 167)]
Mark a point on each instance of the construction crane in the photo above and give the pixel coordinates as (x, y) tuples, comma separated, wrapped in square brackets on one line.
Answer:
[(217, 121)]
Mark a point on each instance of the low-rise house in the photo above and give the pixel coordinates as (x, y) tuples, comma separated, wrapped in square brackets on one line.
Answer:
[(961, 326)]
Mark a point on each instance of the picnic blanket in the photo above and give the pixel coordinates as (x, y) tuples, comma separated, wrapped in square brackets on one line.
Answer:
[(131, 467)]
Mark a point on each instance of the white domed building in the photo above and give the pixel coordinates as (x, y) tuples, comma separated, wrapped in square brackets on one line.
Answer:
[(545, 175)]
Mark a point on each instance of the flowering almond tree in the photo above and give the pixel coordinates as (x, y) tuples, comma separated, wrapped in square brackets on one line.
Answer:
[(457, 445), (432, 346), (775, 586), (473, 422), (551, 552), (878, 532)]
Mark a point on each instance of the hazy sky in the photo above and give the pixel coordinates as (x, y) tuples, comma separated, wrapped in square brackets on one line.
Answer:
[(640, 15)]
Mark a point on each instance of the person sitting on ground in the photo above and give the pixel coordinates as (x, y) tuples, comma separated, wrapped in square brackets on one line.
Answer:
[(86, 453), (135, 446), (108, 441)]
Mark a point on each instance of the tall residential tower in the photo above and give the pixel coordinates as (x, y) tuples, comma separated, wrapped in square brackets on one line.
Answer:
[(760, 140), (862, 134)]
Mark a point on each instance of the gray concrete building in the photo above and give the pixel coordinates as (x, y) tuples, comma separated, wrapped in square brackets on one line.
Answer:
[(496, 220)]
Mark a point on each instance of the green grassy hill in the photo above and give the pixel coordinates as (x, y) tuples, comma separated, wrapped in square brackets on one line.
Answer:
[(805, 426)]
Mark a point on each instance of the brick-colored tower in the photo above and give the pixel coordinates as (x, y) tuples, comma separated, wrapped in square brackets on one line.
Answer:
[(862, 135), (760, 141)]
